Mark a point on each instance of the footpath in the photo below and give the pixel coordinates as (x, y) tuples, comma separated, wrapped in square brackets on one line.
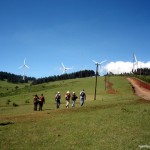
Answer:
[(140, 88)]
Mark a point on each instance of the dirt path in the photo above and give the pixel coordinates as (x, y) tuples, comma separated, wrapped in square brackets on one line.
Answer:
[(142, 89), (110, 89)]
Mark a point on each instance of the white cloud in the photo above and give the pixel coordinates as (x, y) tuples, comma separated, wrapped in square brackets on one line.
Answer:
[(122, 67), (144, 65)]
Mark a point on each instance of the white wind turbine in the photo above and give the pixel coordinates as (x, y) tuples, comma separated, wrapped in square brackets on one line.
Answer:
[(64, 68), (98, 65), (24, 66), (135, 63)]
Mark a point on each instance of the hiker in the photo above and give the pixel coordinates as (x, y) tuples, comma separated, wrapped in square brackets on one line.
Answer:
[(57, 99), (73, 97), (82, 97), (41, 101), (67, 97), (35, 101)]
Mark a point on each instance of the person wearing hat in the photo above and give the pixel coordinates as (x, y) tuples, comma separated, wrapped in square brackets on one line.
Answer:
[(73, 97), (82, 97), (67, 97), (57, 99)]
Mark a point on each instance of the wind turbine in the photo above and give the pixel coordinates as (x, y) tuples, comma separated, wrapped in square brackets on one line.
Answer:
[(135, 62), (64, 68), (24, 66), (97, 66)]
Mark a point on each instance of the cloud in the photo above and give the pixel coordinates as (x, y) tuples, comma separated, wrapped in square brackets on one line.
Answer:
[(145, 65), (122, 67)]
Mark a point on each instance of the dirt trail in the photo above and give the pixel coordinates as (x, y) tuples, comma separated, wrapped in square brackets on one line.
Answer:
[(110, 89), (141, 88)]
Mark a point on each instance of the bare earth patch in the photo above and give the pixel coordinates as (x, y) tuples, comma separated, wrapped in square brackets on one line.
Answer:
[(142, 89), (110, 89)]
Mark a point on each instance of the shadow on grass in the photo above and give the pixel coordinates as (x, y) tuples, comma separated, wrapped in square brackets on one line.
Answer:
[(6, 123)]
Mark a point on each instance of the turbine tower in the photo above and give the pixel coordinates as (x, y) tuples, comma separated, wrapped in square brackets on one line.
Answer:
[(24, 66), (97, 66), (64, 69)]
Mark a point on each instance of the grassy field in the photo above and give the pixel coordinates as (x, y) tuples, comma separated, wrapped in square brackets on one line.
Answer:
[(118, 121)]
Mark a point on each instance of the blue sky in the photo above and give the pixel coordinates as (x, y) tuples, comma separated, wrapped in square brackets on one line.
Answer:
[(75, 32)]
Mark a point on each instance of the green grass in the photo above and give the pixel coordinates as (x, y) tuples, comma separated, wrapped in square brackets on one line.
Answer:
[(145, 78), (117, 121)]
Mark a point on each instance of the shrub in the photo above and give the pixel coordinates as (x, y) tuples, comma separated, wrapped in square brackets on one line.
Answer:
[(8, 101), (27, 101), (16, 87), (2, 94), (15, 105)]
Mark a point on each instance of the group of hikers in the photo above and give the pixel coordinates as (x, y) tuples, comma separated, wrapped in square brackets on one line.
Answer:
[(38, 101), (69, 96)]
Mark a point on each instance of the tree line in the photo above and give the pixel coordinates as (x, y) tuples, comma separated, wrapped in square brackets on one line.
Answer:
[(12, 78), (142, 71)]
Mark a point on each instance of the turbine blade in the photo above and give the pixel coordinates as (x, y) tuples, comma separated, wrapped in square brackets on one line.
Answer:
[(103, 61), (20, 67), (95, 62), (26, 66), (136, 59), (99, 69), (63, 65), (68, 68), (134, 56), (24, 61)]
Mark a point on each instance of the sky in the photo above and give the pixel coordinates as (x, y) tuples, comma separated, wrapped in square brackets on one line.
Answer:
[(73, 32)]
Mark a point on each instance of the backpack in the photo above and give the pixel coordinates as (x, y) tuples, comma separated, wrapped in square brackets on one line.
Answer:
[(82, 94), (67, 96), (58, 96), (74, 97)]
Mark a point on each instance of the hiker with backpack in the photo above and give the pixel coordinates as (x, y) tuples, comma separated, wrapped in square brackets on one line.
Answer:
[(67, 97), (41, 101), (57, 99), (82, 97), (73, 97)]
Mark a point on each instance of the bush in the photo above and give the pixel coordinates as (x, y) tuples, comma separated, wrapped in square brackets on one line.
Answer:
[(8, 101), (27, 101), (16, 87), (2, 94), (15, 105)]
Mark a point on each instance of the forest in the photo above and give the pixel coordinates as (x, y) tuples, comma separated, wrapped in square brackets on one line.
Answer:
[(12, 78), (142, 73)]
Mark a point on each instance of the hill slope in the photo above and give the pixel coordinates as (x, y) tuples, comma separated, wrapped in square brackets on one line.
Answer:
[(106, 123)]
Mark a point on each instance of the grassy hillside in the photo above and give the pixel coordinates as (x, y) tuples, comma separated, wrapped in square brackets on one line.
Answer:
[(119, 120)]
